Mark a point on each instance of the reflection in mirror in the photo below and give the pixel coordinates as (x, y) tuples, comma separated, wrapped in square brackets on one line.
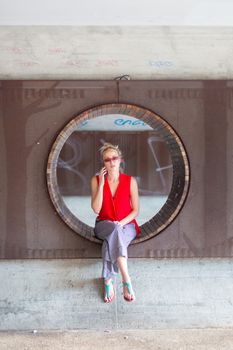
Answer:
[(146, 157)]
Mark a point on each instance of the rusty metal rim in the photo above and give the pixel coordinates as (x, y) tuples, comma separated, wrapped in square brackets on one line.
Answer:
[(181, 170)]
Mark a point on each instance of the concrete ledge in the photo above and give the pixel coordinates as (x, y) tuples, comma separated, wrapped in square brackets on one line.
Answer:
[(172, 339), (89, 52), (67, 294)]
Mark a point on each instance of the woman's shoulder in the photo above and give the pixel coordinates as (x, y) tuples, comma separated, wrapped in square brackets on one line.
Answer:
[(95, 178), (128, 177)]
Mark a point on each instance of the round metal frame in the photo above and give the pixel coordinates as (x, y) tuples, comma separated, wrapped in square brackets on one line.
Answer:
[(181, 170)]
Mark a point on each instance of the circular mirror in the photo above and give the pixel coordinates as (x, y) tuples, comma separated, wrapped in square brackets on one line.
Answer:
[(152, 153)]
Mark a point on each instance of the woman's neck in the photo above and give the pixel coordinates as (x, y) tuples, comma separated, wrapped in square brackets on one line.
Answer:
[(114, 176)]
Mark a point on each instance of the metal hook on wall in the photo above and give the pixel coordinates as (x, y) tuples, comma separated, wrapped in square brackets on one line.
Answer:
[(122, 77)]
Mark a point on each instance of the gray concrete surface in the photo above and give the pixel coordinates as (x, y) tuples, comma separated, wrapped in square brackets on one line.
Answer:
[(158, 12), (106, 52), (175, 339), (67, 295)]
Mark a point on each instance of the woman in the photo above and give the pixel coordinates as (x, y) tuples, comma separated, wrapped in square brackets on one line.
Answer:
[(115, 200)]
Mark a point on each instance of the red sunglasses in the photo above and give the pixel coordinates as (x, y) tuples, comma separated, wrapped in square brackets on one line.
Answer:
[(109, 159)]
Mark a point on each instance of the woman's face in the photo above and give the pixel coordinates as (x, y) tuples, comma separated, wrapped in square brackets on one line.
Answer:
[(111, 160)]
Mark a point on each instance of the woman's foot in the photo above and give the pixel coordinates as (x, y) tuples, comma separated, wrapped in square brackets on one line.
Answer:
[(128, 291), (109, 290)]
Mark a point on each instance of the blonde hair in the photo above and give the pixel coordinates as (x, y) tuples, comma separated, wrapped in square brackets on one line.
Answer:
[(106, 146)]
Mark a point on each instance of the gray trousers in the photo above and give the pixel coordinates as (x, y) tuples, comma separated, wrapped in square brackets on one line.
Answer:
[(116, 240)]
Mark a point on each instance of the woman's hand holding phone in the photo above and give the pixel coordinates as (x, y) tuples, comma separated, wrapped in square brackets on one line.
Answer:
[(102, 174)]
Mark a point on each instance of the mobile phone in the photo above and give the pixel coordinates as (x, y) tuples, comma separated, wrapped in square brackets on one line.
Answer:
[(106, 173)]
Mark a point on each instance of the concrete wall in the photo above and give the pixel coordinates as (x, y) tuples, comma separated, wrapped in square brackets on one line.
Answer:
[(150, 39), (33, 113), (106, 52), (110, 12), (67, 294)]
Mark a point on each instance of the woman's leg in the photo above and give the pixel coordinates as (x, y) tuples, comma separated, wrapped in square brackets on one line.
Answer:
[(128, 293), (130, 233), (123, 267), (114, 251), (109, 269), (106, 231)]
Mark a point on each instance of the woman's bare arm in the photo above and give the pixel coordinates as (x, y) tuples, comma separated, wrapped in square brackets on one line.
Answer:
[(97, 191)]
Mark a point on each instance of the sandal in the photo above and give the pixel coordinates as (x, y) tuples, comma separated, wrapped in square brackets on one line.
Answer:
[(130, 290), (107, 298)]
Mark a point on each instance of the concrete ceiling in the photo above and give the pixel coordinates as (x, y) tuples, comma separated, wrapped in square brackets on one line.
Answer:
[(120, 12), (151, 39)]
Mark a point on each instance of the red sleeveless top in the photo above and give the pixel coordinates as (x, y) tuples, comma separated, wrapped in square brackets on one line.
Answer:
[(118, 207)]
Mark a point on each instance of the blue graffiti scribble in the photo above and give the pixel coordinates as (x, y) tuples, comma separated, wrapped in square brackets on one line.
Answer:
[(122, 122)]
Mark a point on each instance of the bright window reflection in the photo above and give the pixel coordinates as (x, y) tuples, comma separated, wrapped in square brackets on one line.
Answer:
[(146, 157)]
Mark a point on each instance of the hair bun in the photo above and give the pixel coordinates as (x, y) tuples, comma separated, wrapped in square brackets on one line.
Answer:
[(108, 145)]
